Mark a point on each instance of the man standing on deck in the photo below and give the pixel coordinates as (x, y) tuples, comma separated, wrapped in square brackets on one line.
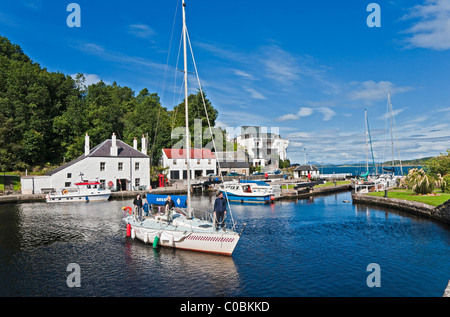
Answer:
[(220, 210), (137, 202)]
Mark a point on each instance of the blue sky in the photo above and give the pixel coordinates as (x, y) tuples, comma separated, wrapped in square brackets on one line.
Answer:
[(305, 68)]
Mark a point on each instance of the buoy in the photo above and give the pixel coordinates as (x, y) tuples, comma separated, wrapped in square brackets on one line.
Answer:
[(64, 191), (155, 242), (87, 199), (133, 233), (128, 230), (128, 209), (272, 197)]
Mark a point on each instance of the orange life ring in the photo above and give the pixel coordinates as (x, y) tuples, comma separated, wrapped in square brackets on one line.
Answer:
[(128, 209), (64, 191)]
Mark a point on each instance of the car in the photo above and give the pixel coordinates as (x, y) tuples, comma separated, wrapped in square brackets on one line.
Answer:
[(234, 174), (258, 173)]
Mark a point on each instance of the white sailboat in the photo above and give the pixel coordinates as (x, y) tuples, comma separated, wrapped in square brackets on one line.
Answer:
[(178, 228), (388, 172), (367, 182)]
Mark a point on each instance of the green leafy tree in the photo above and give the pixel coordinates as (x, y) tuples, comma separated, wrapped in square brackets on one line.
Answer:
[(439, 164)]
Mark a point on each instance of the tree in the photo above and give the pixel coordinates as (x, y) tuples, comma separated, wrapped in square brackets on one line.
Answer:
[(149, 118), (196, 111), (439, 164)]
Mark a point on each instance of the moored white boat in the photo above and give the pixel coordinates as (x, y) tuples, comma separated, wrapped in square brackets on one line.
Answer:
[(247, 192), (85, 192)]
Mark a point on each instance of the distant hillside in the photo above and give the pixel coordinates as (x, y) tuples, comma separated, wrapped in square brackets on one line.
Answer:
[(414, 162)]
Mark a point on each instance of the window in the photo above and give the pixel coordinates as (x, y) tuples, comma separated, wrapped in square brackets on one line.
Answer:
[(209, 161), (67, 184), (120, 166), (174, 174), (102, 166), (136, 166), (198, 161), (174, 161), (69, 175), (137, 182)]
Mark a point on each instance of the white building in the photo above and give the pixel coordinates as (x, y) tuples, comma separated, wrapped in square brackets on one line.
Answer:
[(113, 163), (263, 148), (202, 162), (303, 171)]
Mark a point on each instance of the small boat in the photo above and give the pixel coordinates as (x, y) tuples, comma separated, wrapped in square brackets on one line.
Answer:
[(85, 192), (247, 193)]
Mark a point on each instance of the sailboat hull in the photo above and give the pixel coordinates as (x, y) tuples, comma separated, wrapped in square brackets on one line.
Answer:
[(209, 241)]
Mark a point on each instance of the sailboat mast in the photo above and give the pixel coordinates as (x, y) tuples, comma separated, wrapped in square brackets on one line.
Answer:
[(188, 147), (392, 136), (367, 141)]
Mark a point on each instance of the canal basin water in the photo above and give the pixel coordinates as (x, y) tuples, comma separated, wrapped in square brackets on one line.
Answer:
[(320, 246)]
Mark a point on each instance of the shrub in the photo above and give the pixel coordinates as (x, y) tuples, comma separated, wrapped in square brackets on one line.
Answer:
[(445, 186), (419, 181)]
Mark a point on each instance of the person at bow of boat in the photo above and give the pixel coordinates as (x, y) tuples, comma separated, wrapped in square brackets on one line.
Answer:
[(137, 202), (220, 210)]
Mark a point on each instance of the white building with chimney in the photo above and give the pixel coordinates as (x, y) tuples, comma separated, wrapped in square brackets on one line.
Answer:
[(113, 163)]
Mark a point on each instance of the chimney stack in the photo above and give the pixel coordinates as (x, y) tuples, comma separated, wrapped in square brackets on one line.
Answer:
[(113, 145), (86, 145), (135, 144), (144, 145)]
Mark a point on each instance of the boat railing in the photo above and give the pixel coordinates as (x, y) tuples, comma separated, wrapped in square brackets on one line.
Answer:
[(209, 216)]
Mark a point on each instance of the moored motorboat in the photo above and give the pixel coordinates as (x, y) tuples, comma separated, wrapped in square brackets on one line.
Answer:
[(247, 193), (85, 192)]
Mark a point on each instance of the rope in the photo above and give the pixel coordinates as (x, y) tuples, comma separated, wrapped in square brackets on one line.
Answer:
[(209, 124)]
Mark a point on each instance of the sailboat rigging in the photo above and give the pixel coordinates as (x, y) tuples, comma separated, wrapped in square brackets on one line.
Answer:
[(177, 228)]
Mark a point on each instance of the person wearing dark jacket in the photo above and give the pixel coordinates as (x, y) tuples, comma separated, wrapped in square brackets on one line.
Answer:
[(169, 202), (220, 210), (137, 202)]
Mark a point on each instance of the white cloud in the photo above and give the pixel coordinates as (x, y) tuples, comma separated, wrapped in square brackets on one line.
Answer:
[(395, 113), (432, 31), (142, 30), (255, 94), (304, 112), (287, 117), (327, 113), (370, 90), (279, 64), (243, 74)]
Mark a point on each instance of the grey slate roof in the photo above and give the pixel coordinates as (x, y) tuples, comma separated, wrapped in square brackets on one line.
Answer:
[(234, 165), (103, 150), (307, 167)]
